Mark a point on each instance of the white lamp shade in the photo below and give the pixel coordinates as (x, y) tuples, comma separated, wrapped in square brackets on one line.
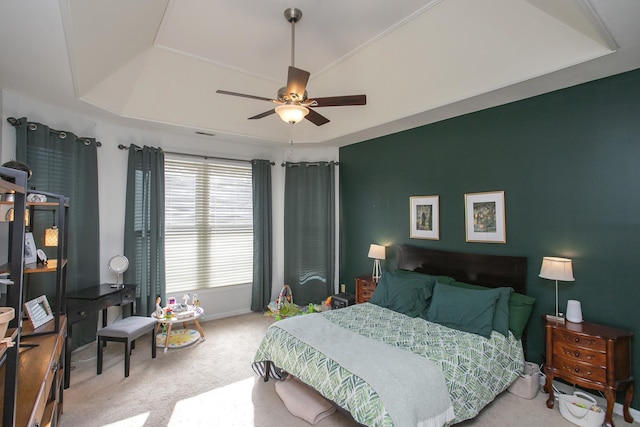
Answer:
[(574, 311), (554, 268), (291, 113), (376, 251)]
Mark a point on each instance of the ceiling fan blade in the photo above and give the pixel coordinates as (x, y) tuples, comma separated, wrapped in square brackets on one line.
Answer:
[(316, 118), (297, 81), (336, 101), (261, 115), (261, 98)]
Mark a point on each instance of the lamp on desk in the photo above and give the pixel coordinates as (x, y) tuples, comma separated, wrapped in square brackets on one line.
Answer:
[(377, 252), (554, 268)]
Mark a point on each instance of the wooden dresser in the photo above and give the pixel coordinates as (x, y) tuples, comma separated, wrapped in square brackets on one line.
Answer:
[(592, 356), (365, 286)]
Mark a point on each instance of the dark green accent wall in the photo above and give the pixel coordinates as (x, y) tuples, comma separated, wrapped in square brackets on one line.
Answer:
[(569, 163)]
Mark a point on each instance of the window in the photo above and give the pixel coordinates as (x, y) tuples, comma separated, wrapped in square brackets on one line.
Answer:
[(208, 223)]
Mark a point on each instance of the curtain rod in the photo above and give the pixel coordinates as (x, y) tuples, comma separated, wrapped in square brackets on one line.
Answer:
[(202, 156), (60, 133), (309, 164)]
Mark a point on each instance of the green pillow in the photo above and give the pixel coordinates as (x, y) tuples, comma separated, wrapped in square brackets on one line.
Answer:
[(467, 310), (501, 315), (403, 291), (445, 280), (520, 307)]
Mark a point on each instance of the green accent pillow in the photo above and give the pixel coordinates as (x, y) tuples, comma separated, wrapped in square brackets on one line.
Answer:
[(520, 307), (501, 315), (403, 291), (445, 280), (467, 310)]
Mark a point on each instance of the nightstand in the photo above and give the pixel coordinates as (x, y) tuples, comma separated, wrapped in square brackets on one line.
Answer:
[(593, 356), (365, 286)]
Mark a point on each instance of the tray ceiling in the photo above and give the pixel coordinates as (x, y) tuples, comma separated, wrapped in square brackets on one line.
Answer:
[(417, 61)]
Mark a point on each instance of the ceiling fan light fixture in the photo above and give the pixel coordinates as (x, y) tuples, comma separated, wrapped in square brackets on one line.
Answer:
[(291, 113)]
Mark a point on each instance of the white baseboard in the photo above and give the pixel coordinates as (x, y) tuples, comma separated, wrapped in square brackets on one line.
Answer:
[(229, 313), (568, 389)]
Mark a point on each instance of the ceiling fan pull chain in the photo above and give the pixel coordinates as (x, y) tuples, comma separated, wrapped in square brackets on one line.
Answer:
[(291, 140)]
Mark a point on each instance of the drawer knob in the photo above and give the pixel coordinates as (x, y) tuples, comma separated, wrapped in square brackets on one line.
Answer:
[(576, 354), (82, 313), (576, 370), (577, 339)]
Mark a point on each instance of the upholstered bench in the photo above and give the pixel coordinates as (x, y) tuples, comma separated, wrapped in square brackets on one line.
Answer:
[(126, 330)]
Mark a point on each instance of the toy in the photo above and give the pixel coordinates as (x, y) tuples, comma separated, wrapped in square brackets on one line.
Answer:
[(283, 306)]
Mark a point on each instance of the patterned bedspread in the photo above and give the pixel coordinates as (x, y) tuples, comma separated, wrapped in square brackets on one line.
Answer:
[(476, 369)]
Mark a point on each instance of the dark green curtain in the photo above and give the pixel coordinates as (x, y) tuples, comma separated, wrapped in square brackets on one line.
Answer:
[(63, 163), (309, 230), (262, 234), (144, 226)]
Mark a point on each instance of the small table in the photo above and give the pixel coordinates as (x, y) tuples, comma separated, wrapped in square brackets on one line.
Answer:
[(593, 356), (196, 312)]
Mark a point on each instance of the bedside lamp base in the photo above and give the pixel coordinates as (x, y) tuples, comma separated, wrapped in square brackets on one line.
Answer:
[(558, 318)]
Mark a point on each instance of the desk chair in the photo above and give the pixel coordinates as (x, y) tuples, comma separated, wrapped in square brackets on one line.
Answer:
[(126, 330)]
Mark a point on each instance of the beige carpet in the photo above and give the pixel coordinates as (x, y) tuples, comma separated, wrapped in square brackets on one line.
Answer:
[(210, 383)]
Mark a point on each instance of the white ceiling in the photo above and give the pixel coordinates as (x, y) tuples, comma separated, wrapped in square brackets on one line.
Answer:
[(158, 63)]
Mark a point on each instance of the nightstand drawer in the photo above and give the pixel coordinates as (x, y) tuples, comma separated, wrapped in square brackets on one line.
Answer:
[(579, 340), (368, 286), (579, 354), (581, 370), (365, 286), (365, 294)]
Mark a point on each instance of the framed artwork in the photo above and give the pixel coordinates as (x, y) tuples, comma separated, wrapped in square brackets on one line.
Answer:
[(484, 217), (39, 311), (425, 217), (30, 250)]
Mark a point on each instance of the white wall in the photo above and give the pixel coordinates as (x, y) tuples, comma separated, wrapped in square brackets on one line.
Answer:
[(112, 164)]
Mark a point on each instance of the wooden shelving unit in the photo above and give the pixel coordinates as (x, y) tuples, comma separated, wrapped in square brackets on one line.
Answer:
[(59, 205), (32, 379), (13, 181)]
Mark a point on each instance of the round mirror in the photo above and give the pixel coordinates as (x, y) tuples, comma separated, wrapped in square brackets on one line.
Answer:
[(118, 264)]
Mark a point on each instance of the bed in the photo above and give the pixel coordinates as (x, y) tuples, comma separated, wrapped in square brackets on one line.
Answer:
[(440, 338)]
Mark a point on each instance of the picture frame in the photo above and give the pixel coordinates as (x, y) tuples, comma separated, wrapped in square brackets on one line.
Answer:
[(39, 311), (485, 217), (424, 217), (30, 249)]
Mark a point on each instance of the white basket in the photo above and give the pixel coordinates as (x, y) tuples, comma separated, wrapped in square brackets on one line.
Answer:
[(528, 383), (581, 409)]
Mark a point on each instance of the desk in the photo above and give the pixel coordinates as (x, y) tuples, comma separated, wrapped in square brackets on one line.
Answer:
[(90, 300), (40, 395)]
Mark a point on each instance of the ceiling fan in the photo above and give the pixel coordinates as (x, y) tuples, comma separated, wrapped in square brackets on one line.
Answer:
[(292, 100)]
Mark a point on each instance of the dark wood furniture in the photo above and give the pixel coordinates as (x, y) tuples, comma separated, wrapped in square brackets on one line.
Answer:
[(589, 355), (90, 300), (477, 269), (39, 395), (12, 181), (365, 285)]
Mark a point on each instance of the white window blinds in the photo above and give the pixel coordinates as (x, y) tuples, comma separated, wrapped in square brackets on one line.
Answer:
[(209, 224)]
